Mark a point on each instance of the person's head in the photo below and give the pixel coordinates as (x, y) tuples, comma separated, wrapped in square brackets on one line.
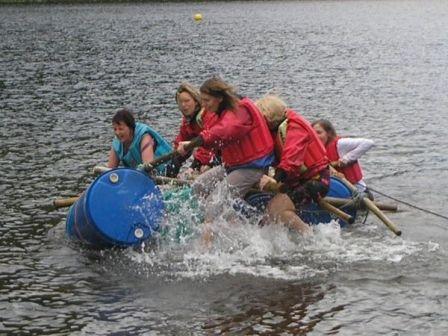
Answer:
[(217, 95), (325, 130), (123, 123), (188, 98), (273, 109)]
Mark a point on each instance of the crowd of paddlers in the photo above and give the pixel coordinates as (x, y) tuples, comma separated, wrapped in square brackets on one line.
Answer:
[(243, 144)]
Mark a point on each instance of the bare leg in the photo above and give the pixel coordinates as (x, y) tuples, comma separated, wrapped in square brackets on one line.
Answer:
[(282, 210), (207, 236), (238, 182), (204, 186)]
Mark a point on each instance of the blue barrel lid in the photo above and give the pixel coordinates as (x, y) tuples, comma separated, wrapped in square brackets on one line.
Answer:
[(125, 206)]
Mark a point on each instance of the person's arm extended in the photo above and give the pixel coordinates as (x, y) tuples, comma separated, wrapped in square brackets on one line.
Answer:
[(113, 161), (351, 149)]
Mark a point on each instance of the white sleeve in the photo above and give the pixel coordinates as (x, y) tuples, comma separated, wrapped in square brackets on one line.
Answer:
[(351, 149)]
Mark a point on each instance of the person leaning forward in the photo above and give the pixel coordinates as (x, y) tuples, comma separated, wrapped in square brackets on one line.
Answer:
[(301, 172)]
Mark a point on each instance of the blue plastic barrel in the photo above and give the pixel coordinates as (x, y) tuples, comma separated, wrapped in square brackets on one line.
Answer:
[(312, 213), (122, 207)]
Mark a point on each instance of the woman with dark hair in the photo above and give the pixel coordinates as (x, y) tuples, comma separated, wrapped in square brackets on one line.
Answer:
[(343, 152), (135, 143), (194, 120), (242, 136)]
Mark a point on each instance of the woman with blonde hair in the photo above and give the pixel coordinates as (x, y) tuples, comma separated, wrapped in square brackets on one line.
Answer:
[(301, 170), (194, 120)]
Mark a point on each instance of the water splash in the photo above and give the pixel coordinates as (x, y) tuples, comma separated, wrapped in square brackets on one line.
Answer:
[(240, 246)]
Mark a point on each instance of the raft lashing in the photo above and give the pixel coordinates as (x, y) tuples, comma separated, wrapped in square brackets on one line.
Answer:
[(123, 207)]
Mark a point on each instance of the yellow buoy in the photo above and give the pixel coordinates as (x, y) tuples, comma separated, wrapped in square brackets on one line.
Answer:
[(197, 17)]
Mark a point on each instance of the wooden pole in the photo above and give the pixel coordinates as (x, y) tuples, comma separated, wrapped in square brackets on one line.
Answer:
[(148, 166), (372, 207), (100, 169), (337, 212), (64, 202), (156, 179), (340, 202)]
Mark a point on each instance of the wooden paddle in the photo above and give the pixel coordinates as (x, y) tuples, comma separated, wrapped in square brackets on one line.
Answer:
[(371, 206)]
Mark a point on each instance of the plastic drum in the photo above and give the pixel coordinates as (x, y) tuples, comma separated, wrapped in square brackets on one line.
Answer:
[(122, 207), (313, 214)]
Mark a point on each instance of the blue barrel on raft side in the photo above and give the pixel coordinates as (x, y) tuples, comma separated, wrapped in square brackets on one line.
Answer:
[(122, 207), (313, 213)]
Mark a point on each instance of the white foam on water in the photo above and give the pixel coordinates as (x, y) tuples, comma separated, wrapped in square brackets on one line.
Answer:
[(246, 249), (350, 246), (240, 246)]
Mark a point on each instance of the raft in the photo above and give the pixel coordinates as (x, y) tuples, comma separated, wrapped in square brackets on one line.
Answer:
[(124, 207)]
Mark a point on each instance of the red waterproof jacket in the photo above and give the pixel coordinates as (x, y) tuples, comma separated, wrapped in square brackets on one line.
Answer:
[(242, 135), (299, 151), (353, 172), (191, 129)]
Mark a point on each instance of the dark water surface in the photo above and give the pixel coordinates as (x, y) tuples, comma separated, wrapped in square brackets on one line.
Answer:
[(377, 69)]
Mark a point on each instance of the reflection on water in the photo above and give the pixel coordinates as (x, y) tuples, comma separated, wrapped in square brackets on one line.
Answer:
[(276, 309), (376, 69)]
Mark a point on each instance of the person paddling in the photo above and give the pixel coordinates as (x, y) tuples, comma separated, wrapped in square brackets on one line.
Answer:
[(135, 142), (242, 136), (344, 153), (301, 172), (194, 120)]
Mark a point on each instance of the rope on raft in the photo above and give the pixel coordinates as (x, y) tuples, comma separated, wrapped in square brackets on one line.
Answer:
[(408, 204), (356, 202)]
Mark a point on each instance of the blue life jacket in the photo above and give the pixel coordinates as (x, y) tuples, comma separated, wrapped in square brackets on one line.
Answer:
[(133, 157)]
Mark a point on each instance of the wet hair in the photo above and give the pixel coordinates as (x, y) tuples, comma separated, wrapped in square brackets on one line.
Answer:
[(327, 126), (125, 116), (192, 91), (273, 108), (217, 88)]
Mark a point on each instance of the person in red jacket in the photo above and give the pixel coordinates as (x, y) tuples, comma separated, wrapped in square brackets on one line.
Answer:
[(242, 136), (194, 120), (301, 172), (344, 152)]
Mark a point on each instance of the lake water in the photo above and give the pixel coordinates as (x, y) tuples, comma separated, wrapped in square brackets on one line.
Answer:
[(377, 69)]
